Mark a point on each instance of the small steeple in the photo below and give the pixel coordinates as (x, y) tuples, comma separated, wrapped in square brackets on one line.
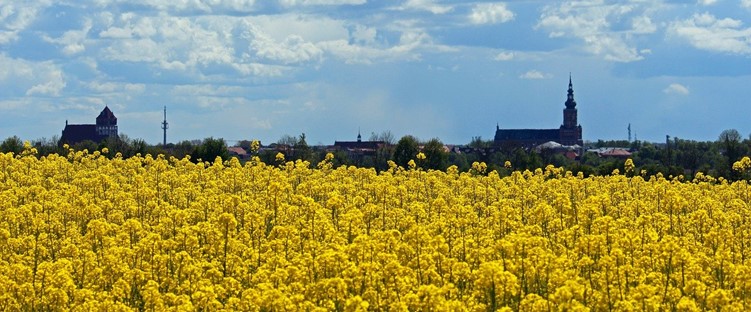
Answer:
[(570, 102), (359, 137)]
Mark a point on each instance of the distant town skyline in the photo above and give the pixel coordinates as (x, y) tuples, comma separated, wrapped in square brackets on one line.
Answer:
[(247, 69)]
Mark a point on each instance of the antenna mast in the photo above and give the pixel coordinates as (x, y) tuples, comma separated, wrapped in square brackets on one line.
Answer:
[(165, 126), (629, 133)]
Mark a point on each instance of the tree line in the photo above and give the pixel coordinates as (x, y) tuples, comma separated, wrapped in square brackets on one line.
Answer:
[(674, 157)]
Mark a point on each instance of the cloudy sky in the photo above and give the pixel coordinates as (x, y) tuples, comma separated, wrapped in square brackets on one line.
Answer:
[(245, 69)]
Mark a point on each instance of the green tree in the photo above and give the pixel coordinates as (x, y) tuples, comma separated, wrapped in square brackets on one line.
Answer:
[(287, 140), (301, 149), (182, 148), (730, 144), (12, 144), (46, 146), (478, 142), (209, 149), (384, 150), (88, 145), (385, 136), (139, 146), (406, 149), (435, 155)]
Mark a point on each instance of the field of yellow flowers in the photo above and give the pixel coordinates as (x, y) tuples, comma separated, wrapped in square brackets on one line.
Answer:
[(84, 232)]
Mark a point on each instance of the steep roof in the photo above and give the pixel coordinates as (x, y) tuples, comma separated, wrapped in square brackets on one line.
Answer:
[(106, 117), (616, 152), (358, 144), (525, 135), (77, 133), (237, 150)]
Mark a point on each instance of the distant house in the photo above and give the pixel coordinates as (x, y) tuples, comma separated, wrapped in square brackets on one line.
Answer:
[(612, 152), (238, 152), (569, 133), (105, 127), (569, 151)]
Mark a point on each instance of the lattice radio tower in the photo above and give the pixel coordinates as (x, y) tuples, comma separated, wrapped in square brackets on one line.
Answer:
[(165, 126)]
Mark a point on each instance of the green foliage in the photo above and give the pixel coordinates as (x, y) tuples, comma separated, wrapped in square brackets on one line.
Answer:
[(210, 149), (385, 136), (12, 144), (295, 148), (673, 157), (478, 142), (406, 149), (301, 149), (181, 149), (435, 155), (46, 146), (87, 145)]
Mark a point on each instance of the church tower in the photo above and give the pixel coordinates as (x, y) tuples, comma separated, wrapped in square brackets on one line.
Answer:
[(106, 123), (569, 114), (570, 131)]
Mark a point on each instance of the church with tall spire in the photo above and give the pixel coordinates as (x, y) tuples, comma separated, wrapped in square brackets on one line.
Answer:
[(569, 133)]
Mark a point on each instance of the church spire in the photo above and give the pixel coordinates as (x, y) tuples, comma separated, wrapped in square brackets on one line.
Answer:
[(570, 102)]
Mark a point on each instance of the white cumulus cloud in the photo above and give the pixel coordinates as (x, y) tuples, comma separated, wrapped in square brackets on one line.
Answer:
[(31, 78), (294, 49), (707, 2), (676, 88), (173, 43), (189, 6), (426, 5), (707, 32), (54, 82), (504, 56), (643, 25), (592, 22), (490, 13), (128, 25), (72, 41), (289, 3), (112, 87), (535, 74), (16, 16)]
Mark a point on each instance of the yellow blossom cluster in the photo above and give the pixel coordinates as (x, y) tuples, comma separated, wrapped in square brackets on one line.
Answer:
[(84, 232)]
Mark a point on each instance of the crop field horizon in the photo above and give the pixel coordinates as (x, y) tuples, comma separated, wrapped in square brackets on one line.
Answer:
[(86, 232)]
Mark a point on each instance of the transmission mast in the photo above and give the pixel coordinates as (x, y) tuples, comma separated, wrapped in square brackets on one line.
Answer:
[(629, 133), (165, 126)]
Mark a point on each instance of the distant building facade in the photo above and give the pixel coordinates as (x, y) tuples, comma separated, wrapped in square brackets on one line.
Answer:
[(569, 133), (359, 147), (105, 127), (239, 152), (613, 152)]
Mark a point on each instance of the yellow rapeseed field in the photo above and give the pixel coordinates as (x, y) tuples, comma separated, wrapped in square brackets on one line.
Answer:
[(87, 233)]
